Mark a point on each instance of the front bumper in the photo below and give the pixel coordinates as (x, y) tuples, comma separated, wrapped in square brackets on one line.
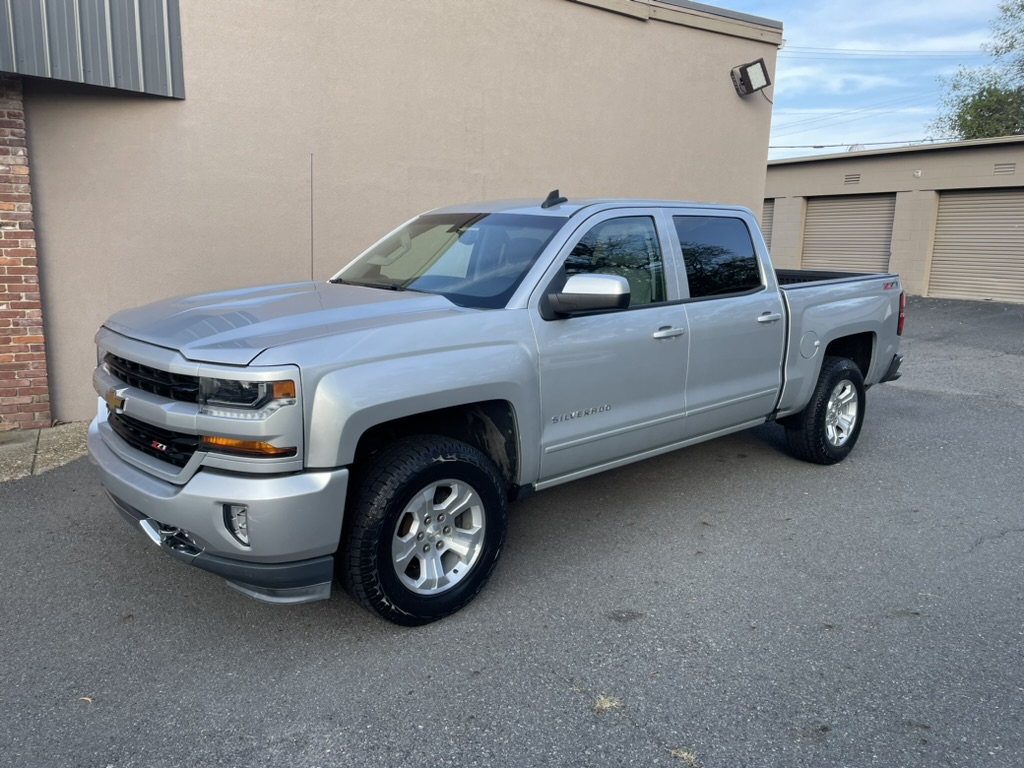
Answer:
[(294, 522)]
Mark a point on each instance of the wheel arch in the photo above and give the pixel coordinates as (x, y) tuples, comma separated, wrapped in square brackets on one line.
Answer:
[(489, 426), (858, 347), (802, 375)]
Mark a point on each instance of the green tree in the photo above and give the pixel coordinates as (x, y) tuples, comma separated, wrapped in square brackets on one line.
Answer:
[(989, 101), (1008, 37)]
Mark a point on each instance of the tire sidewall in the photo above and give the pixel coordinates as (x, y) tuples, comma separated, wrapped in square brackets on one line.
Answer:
[(457, 462), (838, 370)]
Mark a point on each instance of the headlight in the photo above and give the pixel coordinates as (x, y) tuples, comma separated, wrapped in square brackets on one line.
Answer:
[(250, 400)]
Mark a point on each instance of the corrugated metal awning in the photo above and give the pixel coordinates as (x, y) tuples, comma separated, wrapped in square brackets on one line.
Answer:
[(132, 45)]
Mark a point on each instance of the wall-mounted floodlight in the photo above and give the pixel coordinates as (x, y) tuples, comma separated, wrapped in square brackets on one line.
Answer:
[(751, 77)]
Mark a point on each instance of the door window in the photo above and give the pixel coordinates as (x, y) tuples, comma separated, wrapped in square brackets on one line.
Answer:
[(719, 255), (627, 247)]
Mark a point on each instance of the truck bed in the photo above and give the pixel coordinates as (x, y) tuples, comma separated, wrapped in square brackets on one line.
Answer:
[(789, 278), (860, 308)]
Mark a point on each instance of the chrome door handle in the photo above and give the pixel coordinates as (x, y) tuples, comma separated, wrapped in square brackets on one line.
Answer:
[(769, 317), (668, 332)]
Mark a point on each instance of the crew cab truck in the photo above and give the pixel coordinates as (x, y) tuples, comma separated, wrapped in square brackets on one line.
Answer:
[(374, 428)]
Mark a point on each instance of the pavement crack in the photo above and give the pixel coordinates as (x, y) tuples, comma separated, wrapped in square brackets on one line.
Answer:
[(35, 453), (982, 539)]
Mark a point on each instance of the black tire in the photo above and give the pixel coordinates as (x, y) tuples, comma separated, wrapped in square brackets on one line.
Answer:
[(383, 563), (828, 428)]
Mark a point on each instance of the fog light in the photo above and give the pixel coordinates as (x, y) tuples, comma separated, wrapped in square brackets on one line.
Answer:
[(236, 519)]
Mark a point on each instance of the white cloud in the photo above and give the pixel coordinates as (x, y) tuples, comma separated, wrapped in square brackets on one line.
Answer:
[(884, 19), (966, 41), (796, 80), (835, 99)]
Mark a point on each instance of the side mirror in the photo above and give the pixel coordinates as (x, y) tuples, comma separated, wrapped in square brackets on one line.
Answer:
[(590, 293)]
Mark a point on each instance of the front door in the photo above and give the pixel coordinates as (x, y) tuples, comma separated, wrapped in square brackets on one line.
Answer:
[(612, 384)]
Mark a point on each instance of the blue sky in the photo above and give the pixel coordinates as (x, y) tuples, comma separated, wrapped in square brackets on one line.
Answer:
[(865, 71)]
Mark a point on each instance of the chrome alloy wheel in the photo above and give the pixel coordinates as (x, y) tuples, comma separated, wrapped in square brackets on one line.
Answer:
[(841, 413), (439, 537)]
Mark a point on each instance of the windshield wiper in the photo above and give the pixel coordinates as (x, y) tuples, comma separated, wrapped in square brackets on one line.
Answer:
[(384, 286)]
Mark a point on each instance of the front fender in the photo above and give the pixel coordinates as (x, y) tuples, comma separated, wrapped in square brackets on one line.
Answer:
[(351, 400)]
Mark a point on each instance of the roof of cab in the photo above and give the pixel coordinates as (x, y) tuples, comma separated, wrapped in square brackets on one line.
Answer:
[(573, 206)]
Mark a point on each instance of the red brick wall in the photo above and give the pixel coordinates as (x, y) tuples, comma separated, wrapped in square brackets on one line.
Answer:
[(24, 390)]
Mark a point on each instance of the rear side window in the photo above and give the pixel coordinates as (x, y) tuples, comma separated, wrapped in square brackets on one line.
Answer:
[(719, 255)]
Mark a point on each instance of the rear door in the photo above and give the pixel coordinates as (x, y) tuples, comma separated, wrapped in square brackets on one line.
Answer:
[(612, 384), (736, 322)]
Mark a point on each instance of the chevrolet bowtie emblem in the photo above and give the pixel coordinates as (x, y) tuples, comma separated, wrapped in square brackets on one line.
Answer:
[(114, 402)]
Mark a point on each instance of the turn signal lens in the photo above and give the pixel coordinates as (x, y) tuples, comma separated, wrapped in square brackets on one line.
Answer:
[(282, 390), (250, 448)]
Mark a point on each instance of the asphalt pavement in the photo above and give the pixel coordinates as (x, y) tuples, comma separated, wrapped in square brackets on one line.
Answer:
[(722, 606)]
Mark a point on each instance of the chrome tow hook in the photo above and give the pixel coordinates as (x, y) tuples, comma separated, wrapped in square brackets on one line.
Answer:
[(170, 537)]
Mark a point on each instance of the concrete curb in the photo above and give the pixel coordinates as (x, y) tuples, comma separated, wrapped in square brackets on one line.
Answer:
[(35, 451)]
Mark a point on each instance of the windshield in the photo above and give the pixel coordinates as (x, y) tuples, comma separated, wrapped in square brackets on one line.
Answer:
[(473, 259)]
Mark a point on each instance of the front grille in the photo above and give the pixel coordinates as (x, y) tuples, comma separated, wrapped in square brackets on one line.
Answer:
[(173, 386), (173, 447)]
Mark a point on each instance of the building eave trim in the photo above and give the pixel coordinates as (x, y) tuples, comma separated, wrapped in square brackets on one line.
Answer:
[(697, 16)]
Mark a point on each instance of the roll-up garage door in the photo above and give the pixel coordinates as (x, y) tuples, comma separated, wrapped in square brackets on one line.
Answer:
[(979, 246), (767, 219), (849, 234)]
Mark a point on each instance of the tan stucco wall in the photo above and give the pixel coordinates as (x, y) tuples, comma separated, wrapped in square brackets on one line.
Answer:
[(402, 106), (913, 234), (788, 231), (917, 176)]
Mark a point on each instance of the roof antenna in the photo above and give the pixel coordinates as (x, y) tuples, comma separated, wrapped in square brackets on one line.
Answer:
[(554, 199)]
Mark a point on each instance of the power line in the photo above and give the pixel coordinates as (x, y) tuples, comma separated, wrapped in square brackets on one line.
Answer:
[(832, 125), (905, 103), (883, 57), (858, 143), (900, 100), (881, 51), (875, 52), (825, 49), (837, 122)]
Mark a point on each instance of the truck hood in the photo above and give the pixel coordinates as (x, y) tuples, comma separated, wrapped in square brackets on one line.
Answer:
[(234, 327)]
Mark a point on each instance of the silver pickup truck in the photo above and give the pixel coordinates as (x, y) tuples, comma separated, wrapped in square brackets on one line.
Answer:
[(374, 428)]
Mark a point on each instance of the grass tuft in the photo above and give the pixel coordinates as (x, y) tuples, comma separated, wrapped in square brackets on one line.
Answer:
[(686, 757), (603, 703)]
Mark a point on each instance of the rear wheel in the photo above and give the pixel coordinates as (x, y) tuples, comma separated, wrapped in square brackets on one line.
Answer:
[(828, 428), (425, 530)]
